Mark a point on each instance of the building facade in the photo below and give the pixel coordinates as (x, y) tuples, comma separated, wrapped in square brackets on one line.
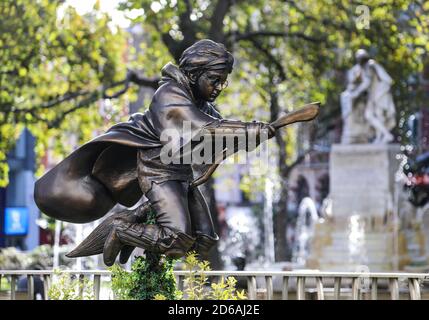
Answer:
[(18, 212)]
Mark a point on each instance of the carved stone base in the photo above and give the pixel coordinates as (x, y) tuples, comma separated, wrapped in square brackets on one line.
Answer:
[(361, 234), (362, 179)]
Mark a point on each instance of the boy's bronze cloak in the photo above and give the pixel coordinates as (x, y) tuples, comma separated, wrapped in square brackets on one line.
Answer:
[(101, 173)]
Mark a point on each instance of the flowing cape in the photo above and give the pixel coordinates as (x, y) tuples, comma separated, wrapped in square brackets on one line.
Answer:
[(91, 180), (103, 172)]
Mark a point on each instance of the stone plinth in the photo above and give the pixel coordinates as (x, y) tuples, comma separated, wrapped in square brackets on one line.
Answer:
[(361, 231), (362, 179)]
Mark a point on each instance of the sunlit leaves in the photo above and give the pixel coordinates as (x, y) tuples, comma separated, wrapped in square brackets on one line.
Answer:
[(46, 57)]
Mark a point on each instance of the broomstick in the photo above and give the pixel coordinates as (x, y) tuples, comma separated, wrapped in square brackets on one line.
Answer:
[(305, 113)]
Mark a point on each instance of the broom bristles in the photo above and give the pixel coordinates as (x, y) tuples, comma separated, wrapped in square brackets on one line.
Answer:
[(94, 243)]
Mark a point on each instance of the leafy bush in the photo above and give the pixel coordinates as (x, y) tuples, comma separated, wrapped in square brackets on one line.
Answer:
[(67, 287), (152, 277), (225, 290), (40, 258), (196, 283), (13, 259)]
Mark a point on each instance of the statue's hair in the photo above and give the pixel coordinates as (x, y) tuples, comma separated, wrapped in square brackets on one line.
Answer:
[(362, 54), (205, 55)]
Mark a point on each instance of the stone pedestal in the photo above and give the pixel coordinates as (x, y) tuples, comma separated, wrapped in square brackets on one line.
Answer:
[(361, 232), (362, 179)]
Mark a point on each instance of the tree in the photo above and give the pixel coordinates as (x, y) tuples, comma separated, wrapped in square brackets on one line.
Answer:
[(53, 71)]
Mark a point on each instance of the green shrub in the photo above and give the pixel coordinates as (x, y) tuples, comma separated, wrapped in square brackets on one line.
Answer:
[(196, 283), (40, 258), (225, 290), (66, 287), (13, 259), (150, 276)]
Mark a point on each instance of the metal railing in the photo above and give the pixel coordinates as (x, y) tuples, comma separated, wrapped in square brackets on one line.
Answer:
[(299, 285)]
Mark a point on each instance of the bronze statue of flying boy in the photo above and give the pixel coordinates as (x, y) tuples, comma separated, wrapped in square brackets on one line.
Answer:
[(129, 162)]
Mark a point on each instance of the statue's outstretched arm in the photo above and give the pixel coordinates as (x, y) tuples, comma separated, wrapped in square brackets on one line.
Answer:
[(305, 113)]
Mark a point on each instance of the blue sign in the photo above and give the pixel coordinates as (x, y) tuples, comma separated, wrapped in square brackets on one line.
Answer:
[(16, 221)]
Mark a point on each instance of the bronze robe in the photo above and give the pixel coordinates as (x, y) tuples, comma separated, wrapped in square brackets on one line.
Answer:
[(103, 172)]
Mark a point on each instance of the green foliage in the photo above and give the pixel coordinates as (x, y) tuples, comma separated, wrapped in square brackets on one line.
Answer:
[(150, 277), (4, 284), (65, 287), (196, 282), (52, 65), (40, 258), (54, 61), (13, 259), (121, 282), (225, 290)]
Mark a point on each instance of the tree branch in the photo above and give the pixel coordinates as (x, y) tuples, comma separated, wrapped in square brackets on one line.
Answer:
[(237, 36), (143, 81), (82, 104), (172, 45), (298, 160), (187, 27), (89, 97), (323, 21), (64, 98), (271, 58), (216, 21)]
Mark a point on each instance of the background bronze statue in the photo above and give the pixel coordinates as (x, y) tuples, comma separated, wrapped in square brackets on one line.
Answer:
[(126, 163)]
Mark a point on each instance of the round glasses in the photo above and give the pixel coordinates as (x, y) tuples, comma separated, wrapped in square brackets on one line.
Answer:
[(222, 85), (217, 82)]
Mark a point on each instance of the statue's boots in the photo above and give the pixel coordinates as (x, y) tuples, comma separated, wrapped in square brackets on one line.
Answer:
[(203, 244), (150, 237)]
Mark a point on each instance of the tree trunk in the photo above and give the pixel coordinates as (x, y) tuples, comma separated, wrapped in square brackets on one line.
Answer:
[(280, 208)]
